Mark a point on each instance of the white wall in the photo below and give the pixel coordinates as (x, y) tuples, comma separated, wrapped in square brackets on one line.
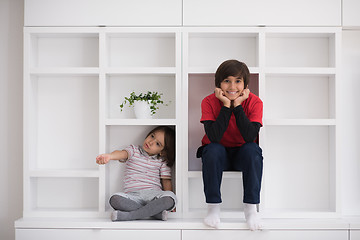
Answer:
[(350, 116), (11, 27)]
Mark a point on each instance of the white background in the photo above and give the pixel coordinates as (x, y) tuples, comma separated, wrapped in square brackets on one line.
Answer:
[(11, 49)]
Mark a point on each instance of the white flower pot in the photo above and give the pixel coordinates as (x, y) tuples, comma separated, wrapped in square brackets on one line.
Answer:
[(142, 110)]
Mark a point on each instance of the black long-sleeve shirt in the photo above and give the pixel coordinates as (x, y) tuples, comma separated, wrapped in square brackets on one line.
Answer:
[(216, 129)]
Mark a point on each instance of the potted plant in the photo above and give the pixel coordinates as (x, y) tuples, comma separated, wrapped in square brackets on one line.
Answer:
[(145, 104)]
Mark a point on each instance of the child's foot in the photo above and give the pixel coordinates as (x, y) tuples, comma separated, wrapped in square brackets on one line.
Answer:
[(252, 217), (120, 216), (114, 216), (162, 216), (213, 216)]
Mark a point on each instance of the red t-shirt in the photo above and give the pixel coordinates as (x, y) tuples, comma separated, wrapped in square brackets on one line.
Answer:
[(210, 109)]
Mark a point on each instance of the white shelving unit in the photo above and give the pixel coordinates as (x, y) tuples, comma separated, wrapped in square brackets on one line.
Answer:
[(74, 81), (75, 78), (295, 72)]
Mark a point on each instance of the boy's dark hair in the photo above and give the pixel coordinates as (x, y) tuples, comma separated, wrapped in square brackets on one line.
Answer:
[(168, 153), (233, 68)]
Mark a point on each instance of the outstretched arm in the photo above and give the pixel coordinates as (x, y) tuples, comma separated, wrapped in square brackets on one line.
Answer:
[(115, 155)]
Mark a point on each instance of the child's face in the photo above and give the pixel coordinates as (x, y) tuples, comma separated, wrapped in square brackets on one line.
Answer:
[(232, 87), (154, 143)]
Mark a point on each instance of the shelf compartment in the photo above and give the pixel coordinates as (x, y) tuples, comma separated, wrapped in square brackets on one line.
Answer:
[(118, 138), (62, 122), (119, 86), (211, 49), (300, 169), (300, 97), (300, 50), (64, 194), (232, 194), (200, 86), (64, 50), (141, 49)]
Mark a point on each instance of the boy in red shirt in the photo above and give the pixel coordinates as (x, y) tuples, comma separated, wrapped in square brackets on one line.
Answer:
[(232, 117)]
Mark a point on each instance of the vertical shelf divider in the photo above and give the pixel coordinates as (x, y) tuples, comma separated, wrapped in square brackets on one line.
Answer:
[(184, 120), (26, 124), (337, 141), (102, 116), (262, 95), (178, 121)]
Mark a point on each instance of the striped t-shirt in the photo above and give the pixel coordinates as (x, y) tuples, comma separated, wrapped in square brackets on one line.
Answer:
[(144, 171)]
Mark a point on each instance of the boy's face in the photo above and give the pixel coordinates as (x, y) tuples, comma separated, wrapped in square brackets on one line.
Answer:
[(154, 143), (232, 87)]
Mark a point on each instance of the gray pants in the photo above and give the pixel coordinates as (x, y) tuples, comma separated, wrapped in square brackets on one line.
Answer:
[(143, 197), (142, 204)]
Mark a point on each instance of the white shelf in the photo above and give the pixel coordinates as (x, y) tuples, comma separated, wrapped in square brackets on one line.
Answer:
[(140, 122), (211, 70), (182, 223), (300, 122), (297, 73), (76, 78), (141, 70), (64, 71), (50, 173), (46, 213), (229, 174), (300, 71), (74, 81)]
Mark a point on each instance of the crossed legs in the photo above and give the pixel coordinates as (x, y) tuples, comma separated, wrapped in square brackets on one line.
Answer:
[(127, 209)]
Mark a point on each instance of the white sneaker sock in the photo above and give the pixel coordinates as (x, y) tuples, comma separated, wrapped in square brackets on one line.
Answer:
[(213, 215), (252, 217)]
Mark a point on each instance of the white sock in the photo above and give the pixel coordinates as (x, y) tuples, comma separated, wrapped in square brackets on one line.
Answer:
[(213, 215), (252, 217), (164, 215)]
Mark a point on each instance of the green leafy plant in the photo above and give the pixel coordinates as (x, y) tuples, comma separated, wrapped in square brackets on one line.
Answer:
[(153, 98)]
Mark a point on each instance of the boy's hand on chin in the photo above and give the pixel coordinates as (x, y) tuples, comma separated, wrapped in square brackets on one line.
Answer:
[(219, 93), (243, 96)]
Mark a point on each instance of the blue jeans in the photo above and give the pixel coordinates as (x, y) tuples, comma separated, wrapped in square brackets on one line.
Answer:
[(248, 159)]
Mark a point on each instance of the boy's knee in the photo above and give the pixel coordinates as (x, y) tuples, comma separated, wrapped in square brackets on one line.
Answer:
[(213, 155), (252, 152), (251, 149), (214, 149)]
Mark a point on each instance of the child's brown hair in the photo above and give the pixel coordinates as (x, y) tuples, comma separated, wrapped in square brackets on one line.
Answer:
[(232, 68), (168, 153)]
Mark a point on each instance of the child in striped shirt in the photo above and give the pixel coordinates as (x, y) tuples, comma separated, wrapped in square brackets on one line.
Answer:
[(147, 181)]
